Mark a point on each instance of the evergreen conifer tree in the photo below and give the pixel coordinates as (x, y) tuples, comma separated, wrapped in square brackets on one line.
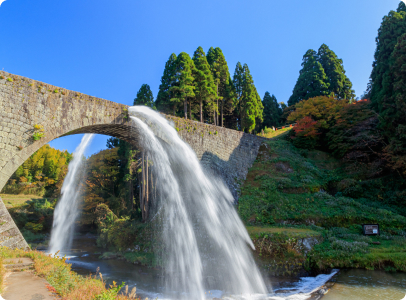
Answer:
[(184, 88), (340, 84), (163, 102), (250, 102), (230, 105), (272, 111), (392, 27), (238, 86), (312, 81), (144, 96), (205, 88), (401, 7), (221, 76), (393, 105)]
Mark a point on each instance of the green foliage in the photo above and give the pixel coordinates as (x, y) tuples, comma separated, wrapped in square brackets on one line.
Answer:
[(37, 136), (183, 77), (34, 227), (393, 109), (272, 111), (312, 81), (163, 103), (221, 75), (249, 105), (10, 79), (42, 173), (393, 26), (205, 87), (144, 96), (339, 83)]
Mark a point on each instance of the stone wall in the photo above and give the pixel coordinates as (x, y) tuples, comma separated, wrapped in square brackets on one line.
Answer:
[(25, 102)]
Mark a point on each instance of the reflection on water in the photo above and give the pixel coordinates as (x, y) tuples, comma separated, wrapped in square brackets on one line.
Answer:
[(367, 285)]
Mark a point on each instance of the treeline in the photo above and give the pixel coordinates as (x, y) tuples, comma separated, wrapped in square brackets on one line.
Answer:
[(201, 88), (370, 134), (42, 174)]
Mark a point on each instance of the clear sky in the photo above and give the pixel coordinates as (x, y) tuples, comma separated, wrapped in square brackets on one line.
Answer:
[(109, 49)]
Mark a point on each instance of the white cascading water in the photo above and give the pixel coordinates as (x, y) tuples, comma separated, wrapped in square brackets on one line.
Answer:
[(66, 210), (206, 245)]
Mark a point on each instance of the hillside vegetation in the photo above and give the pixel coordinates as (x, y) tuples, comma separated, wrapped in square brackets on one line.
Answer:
[(310, 193)]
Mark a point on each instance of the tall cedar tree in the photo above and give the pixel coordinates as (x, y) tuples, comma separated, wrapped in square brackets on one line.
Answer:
[(163, 102), (392, 27), (221, 75), (340, 84), (144, 96), (183, 88), (250, 102), (393, 105), (205, 88), (230, 104), (272, 111), (312, 81), (238, 86)]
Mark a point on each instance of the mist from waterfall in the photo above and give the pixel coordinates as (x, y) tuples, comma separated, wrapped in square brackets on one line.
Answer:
[(66, 211), (205, 244)]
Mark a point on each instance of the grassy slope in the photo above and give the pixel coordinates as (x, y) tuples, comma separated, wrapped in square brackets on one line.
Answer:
[(286, 188), (16, 200), (65, 282)]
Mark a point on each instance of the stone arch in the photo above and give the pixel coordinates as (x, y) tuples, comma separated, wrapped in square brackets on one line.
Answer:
[(25, 102)]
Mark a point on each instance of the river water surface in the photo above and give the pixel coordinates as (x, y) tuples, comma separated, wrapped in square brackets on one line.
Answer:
[(348, 284)]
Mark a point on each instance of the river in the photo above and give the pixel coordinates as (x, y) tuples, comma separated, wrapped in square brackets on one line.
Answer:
[(348, 284)]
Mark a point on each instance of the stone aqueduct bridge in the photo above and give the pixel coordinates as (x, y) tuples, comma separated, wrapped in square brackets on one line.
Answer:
[(25, 102)]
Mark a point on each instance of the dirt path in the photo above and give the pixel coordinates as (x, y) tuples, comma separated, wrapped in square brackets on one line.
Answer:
[(21, 283)]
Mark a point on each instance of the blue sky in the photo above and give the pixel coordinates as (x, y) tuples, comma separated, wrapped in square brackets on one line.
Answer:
[(109, 49)]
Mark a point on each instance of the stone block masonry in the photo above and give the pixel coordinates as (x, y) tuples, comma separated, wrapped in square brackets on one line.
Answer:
[(25, 102)]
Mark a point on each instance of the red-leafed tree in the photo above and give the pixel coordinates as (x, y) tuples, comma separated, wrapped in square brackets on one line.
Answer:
[(306, 133)]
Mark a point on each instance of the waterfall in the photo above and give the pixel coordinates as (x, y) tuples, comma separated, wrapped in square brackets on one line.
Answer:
[(205, 244), (66, 210)]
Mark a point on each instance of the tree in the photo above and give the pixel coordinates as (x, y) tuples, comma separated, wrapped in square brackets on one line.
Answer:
[(144, 96), (221, 76), (272, 111), (322, 110), (392, 27), (339, 83), (163, 102), (312, 81), (238, 86), (250, 102), (393, 106), (205, 88), (183, 88), (230, 105)]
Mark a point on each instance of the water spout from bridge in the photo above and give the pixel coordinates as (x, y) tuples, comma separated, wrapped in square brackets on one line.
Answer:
[(66, 210), (205, 244)]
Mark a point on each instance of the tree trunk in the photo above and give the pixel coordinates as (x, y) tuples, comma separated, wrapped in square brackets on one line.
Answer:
[(201, 110), (190, 109), (143, 188), (147, 191), (185, 107), (222, 115)]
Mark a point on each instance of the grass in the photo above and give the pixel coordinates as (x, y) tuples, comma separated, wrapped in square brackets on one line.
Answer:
[(291, 194), (254, 231), (65, 282), (270, 134), (16, 200)]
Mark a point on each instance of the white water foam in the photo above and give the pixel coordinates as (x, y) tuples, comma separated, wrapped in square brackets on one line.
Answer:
[(66, 211), (206, 244)]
